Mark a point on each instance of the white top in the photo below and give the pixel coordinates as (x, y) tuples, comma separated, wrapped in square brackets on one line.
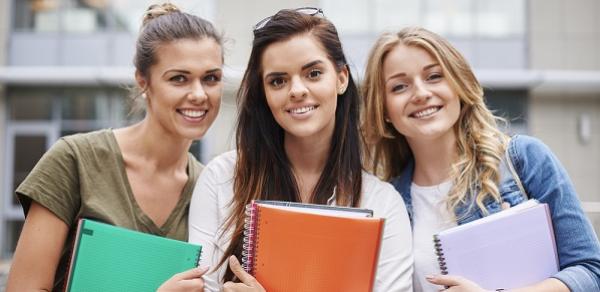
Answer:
[(210, 207), (430, 216)]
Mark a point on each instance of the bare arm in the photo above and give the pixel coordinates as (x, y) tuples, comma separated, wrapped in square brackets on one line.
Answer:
[(38, 251)]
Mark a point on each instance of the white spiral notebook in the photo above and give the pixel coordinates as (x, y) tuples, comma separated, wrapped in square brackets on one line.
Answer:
[(512, 248)]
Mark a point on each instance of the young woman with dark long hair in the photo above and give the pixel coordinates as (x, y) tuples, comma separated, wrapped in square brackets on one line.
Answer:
[(297, 140)]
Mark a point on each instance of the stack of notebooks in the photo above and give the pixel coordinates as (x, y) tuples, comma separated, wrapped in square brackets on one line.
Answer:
[(512, 248), (109, 258), (303, 247)]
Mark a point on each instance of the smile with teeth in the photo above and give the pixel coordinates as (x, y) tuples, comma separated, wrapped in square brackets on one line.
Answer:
[(426, 112), (302, 110), (194, 114)]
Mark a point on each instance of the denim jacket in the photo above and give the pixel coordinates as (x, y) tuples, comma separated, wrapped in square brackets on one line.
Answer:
[(544, 179)]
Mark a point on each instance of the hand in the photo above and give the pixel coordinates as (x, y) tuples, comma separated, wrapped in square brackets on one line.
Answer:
[(190, 280), (455, 283), (249, 283)]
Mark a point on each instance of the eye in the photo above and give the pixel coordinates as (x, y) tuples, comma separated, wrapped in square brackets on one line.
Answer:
[(399, 88), (314, 74), (435, 76), (211, 78), (277, 82), (178, 79)]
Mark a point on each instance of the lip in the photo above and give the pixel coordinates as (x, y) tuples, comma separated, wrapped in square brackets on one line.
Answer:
[(423, 114), (193, 115), (303, 110)]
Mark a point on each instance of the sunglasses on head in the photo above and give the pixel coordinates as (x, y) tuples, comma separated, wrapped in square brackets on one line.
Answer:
[(312, 11)]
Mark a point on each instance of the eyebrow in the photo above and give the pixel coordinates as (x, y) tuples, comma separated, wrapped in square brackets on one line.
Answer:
[(311, 64), (402, 74), (215, 70), (304, 67)]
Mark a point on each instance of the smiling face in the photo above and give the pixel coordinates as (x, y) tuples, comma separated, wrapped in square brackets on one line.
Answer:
[(419, 101), (301, 87), (184, 88)]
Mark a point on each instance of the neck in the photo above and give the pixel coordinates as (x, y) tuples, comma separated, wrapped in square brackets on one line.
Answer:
[(160, 149), (433, 159), (307, 158)]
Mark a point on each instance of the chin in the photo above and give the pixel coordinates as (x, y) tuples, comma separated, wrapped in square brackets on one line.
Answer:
[(193, 134), (301, 133)]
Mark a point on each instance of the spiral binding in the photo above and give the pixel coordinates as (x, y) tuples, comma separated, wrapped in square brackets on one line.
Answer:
[(439, 251), (199, 257), (250, 237)]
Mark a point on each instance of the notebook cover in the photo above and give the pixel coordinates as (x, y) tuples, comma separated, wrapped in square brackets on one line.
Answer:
[(297, 251), (110, 258), (506, 252)]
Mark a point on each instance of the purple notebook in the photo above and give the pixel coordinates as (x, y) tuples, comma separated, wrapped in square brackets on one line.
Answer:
[(509, 249)]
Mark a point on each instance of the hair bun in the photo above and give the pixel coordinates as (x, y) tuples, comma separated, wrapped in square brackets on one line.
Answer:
[(157, 10)]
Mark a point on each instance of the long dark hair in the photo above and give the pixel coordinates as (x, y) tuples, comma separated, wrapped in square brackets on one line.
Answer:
[(263, 171)]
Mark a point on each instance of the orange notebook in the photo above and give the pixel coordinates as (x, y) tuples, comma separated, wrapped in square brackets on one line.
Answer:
[(303, 247)]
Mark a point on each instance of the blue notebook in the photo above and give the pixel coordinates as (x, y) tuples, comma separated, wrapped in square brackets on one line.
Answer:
[(110, 258)]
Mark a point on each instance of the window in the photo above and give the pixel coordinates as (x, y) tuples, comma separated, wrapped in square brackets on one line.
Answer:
[(87, 16), (127, 13), (457, 18), (61, 15), (510, 105)]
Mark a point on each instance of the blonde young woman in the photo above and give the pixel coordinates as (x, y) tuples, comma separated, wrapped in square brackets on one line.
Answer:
[(140, 177), (428, 131)]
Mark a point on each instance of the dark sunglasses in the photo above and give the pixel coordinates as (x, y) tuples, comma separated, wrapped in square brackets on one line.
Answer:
[(312, 11)]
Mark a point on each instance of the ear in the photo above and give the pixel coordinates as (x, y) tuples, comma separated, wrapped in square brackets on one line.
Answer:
[(141, 80), (342, 80)]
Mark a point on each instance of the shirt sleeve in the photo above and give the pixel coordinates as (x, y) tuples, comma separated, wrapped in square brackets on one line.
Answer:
[(545, 179), (204, 226), (53, 183), (395, 267)]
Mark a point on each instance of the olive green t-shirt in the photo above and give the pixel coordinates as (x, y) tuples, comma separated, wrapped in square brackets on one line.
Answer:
[(83, 176)]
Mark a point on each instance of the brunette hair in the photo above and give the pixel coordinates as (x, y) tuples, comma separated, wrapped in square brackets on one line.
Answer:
[(165, 23), (262, 170)]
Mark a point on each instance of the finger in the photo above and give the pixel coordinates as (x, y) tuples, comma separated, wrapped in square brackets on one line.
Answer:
[(239, 272), (231, 287), (191, 273), (192, 285), (444, 280), (505, 206)]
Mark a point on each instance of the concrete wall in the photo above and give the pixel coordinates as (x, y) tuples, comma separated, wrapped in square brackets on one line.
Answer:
[(565, 35)]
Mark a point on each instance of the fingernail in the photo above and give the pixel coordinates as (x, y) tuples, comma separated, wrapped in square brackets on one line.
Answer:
[(204, 268), (429, 277)]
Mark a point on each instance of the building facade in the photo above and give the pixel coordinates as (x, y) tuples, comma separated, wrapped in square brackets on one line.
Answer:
[(64, 66)]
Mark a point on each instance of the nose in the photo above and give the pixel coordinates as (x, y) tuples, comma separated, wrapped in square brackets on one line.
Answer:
[(421, 92), (298, 89), (197, 93)]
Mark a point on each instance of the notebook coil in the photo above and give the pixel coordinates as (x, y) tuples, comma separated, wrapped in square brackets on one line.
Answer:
[(199, 257), (439, 252), (249, 239)]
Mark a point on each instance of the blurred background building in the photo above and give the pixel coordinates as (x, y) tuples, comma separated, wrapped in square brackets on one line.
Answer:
[(65, 66)]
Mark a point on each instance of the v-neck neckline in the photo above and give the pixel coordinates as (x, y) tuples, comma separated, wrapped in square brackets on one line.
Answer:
[(140, 213)]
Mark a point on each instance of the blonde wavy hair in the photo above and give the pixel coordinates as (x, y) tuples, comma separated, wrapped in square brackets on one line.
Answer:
[(480, 144)]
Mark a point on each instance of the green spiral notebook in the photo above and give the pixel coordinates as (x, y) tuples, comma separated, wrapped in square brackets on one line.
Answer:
[(110, 258)]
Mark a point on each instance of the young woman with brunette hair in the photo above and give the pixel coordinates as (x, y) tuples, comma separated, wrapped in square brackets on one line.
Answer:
[(139, 177), (429, 131), (297, 140)]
